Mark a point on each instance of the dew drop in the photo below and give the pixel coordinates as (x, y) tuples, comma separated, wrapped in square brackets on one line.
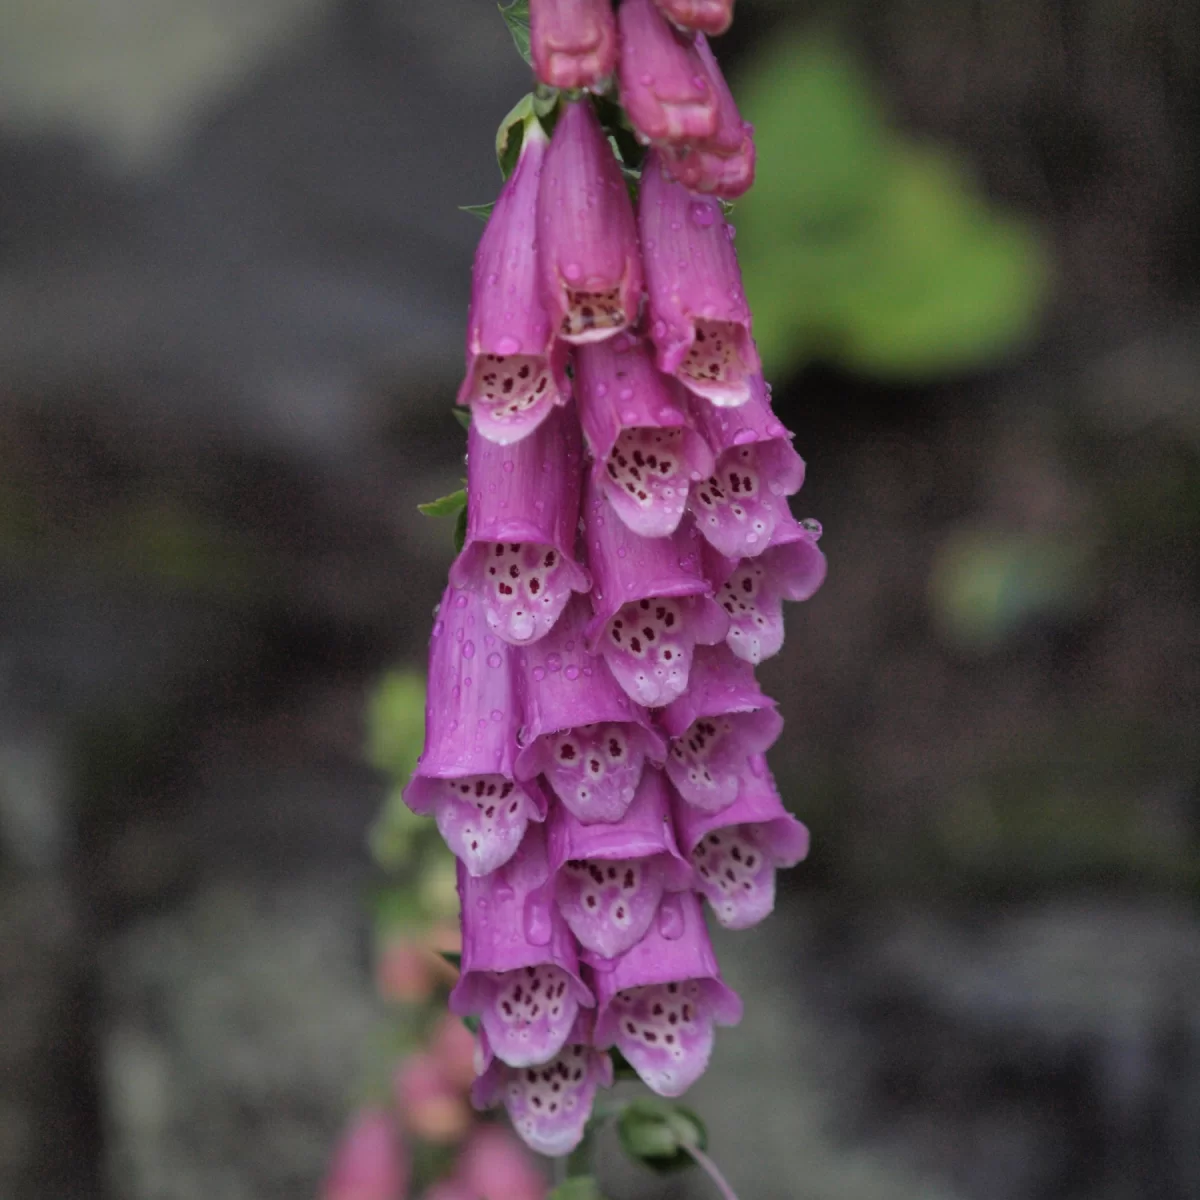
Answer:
[(468, 650), (537, 920), (507, 345), (494, 660), (572, 673), (702, 214), (670, 918)]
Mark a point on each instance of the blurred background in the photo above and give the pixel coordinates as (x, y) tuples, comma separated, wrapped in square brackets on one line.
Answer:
[(233, 279)]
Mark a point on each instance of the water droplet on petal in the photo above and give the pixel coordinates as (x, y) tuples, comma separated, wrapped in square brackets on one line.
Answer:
[(703, 214), (508, 345), (813, 526), (670, 918), (494, 660), (538, 925), (468, 650)]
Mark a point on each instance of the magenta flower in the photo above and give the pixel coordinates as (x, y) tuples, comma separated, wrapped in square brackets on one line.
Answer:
[(581, 732), (516, 371), (522, 518), (370, 1162), (737, 851), (651, 601), (645, 453), (698, 316), (549, 1104), (465, 774), (520, 972), (708, 16), (738, 507), (609, 878), (573, 42), (751, 591), (664, 87), (587, 245), (721, 165), (659, 1001), (715, 726)]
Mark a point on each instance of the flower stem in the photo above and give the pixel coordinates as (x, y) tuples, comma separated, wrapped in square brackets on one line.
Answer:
[(711, 1169)]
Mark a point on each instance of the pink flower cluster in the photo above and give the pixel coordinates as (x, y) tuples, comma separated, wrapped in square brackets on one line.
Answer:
[(594, 730)]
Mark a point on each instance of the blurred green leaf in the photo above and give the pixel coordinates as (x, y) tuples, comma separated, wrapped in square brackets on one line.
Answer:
[(861, 247), (463, 417), (445, 506), (582, 1187), (482, 211), (396, 723), (516, 17), (460, 530), (655, 1132)]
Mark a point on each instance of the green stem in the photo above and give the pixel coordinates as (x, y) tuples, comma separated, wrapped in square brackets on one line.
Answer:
[(710, 1168)]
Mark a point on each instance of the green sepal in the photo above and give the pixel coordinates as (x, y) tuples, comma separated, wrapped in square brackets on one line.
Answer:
[(460, 530), (472, 1023), (657, 1133), (482, 211), (452, 957), (445, 506), (516, 17), (622, 1069), (463, 417), (582, 1187)]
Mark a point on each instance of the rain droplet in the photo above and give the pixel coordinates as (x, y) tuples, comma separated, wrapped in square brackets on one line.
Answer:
[(497, 715), (572, 673), (813, 526), (670, 918), (572, 271), (468, 650), (460, 601), (507, 345), (537, 920), (554, 662), (509, 467), (702, 214), (494, 660), (743, 437), (539, 673)]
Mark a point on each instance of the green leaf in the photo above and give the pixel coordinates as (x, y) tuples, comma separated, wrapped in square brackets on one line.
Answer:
[(462, 416), (472, 1023), (511, 134), (582, 1187), (445, 506), (860, 246), (655, 1132), (452, 957), (482, 211), (516, 17), (622, 1068), (396, 723)]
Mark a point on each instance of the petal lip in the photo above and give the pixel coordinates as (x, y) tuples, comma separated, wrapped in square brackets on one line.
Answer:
[(719, 683), (573, 42), (643, 832), (659, 959), (561, 686), (708, 16), (664, 84), (757, 803), (588, 258), (507, 317), (692, 276)]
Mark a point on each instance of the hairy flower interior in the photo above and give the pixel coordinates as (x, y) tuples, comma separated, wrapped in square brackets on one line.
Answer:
[(736, 875), (649, 651), (593, 316), (529, 1014), (755, 616), (482, 819), (666, 1032), (550, 1104), (609, 904), (714, 366), (706, 762), (646, 479), (524, 589), (736, 509), (509, 385), (595, 770)]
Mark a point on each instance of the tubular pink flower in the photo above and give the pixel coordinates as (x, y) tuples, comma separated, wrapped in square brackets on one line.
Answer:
[(573, 42), (652, 604), (645, 453), (464, 776), (722, 165), (699, 320), (587, 247), (708, 16), (664, 87), (581, 732), (522, 522), (495, 1166), (739, 506), (715, 726), (549, 1104), (658, 1002), (516, 371), (369, 1163), (609, 879), (737, 851), (751, 591), (520, 971)]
